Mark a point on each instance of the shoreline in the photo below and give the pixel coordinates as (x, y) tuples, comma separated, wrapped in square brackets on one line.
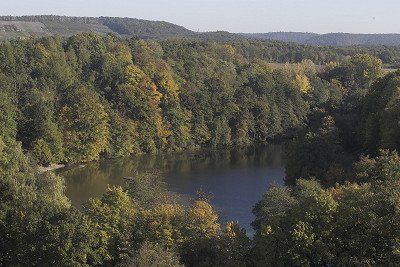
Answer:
[(52, 167)]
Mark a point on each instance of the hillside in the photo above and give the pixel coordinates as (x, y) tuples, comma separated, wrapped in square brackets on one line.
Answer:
[(25, 26), (329, 39), (17, 29)]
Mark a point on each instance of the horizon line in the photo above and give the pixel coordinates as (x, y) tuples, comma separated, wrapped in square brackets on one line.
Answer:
[(209, 31)]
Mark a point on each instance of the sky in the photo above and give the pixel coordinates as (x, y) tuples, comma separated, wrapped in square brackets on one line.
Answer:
[(321, 16)]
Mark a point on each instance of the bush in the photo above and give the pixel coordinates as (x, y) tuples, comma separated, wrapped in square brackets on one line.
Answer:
[(155, 255)]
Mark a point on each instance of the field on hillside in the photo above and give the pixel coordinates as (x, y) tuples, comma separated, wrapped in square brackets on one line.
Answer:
[(15, 29)]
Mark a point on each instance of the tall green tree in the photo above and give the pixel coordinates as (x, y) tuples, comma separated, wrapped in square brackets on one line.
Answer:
[(84, 124)]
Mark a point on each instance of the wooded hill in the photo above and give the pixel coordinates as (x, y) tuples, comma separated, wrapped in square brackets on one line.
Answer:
[(46, 25), (25, 26)]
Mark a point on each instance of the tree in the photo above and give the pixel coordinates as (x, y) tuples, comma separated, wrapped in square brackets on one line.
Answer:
[(380, 113), (8, 112), (84, 123), (294, 227), (317, 153), (38, 126), (139, 99), (56, 235), (42, 152), (123, 136), (37, 224), (201, 234), (385, 167), (366, 69), (366, 229), (162, 224), (359, 71), (113, 217)]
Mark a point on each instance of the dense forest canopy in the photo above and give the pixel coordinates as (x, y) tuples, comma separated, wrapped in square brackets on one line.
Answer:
[(89, 96)]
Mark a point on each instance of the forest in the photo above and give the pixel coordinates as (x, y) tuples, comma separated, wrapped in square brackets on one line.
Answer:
[(87, 97)]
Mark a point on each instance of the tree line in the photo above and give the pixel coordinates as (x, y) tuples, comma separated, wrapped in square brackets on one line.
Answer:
[(87, 97)]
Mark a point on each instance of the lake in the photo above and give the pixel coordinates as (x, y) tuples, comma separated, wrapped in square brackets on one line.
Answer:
[(235, 179)]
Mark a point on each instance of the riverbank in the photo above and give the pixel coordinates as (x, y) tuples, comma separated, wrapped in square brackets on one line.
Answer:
[(52, 167)]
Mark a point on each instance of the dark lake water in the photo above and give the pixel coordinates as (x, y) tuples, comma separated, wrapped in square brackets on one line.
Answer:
[(235, 179)]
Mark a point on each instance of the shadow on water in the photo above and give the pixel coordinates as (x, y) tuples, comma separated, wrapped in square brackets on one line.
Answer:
[(234, 178)]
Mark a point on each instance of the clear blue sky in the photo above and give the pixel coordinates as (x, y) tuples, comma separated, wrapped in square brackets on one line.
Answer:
[(356, 16)]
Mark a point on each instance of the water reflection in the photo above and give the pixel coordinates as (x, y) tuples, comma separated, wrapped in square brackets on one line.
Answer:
[(235, 178)]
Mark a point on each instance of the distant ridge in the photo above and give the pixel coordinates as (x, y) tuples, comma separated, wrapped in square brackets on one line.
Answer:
[(329, 39), (12, 27), (294, 37)]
